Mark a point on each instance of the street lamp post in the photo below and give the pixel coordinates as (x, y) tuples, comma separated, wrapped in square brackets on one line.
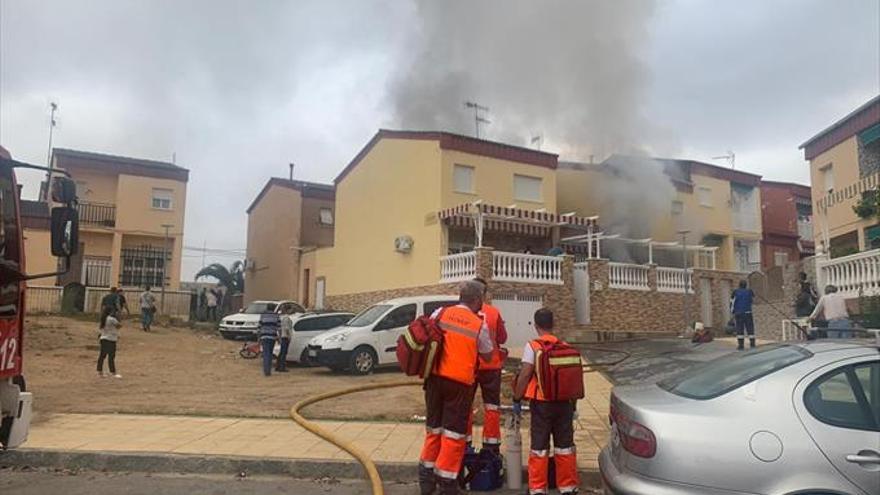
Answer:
[(684, 260)]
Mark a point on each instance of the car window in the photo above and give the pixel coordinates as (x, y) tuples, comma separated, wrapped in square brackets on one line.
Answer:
[(9, 248), (368, 316), (341, 320), (720, 376), (259, 308), (837, 399), (399, 317), (432, 306)]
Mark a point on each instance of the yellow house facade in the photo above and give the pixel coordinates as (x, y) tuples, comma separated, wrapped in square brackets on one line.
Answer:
[(131, 214), (844, 168), (718, 207), (389, 234), (287, 220)]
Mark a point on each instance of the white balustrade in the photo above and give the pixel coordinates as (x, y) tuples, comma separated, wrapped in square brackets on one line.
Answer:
[(628, 276), (458, 267), (854, 274), (531, 268), (673, 280)]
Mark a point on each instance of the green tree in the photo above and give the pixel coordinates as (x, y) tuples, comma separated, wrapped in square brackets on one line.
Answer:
[(232, 278)]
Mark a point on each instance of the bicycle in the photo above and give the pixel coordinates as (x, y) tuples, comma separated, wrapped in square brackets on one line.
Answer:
[(250, 350)]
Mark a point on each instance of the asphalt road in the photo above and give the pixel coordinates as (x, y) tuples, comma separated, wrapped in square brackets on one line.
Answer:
[(41, 482), (651, 360)]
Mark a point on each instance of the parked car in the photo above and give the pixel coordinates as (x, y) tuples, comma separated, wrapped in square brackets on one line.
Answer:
[(305, 327), (243, 325), (779, 420), (369, 339)]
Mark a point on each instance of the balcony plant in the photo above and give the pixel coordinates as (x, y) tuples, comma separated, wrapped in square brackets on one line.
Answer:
[(869, 205)]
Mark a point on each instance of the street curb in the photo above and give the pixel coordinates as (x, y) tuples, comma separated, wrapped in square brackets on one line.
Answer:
[(146, 462)]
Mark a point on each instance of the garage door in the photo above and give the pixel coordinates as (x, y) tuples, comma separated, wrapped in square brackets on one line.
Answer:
[(518, 311)]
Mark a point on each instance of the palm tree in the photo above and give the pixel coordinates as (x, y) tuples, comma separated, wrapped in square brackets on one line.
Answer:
[(232, 278)]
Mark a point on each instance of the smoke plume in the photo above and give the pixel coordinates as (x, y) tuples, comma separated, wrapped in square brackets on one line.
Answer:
[(568, 71)]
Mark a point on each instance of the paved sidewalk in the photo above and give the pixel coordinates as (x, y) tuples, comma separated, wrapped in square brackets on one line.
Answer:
[(278, 438)]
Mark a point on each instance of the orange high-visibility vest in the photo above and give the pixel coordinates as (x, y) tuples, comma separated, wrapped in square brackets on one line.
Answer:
[(493, 316), (458, 360), (533, 392)]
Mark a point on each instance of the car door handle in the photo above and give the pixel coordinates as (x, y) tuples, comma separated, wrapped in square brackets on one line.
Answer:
[(861, 458)]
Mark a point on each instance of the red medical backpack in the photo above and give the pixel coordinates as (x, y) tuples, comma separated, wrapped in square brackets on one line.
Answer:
[(419, 346), (559, 370)]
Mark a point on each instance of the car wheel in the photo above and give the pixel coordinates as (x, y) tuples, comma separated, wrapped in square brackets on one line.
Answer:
[(305, 360), (363, 361)]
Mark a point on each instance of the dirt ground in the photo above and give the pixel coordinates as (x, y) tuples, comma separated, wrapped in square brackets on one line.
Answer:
[(184, 371)]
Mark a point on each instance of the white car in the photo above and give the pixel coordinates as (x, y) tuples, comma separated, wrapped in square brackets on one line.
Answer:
[(305, 327), (369, 339), (244, 325)]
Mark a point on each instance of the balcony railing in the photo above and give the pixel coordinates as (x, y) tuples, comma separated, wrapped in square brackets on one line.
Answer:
[(97, 214), (673, 280), (531, 268), (628, 276), (805, 230), (458, 267), (854, 274)]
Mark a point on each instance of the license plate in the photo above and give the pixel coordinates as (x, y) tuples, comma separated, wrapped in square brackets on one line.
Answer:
[(313, 353)]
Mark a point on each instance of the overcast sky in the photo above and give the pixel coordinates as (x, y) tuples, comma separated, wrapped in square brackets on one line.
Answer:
[(236, 90)]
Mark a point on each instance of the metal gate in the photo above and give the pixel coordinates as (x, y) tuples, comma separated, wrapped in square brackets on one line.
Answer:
[(581, 294), (518, 311)]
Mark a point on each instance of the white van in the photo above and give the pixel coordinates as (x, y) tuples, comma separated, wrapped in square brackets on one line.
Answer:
[(369, 339)]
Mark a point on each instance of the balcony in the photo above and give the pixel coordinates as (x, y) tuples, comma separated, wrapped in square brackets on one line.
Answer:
[(506, 267), (97, 214), (854, 275), (805, 230)]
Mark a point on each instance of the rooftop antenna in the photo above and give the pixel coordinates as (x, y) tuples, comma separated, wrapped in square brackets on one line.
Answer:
[(730, 157), (291, 165), (52, 124), (477, 118), (537, 140)]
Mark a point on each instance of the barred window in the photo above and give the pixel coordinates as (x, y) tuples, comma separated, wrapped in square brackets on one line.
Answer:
[(143, 265)]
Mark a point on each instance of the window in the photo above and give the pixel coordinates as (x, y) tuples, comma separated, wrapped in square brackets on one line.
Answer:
[(527, 188), (677, 207), (257, 308), (840, 398), (399, 317), (162, 199), (143, 265), (780, 258), (718, 377), (430, 307), (290, 308), (368, 316), (704, 196), (325, 216), (9, 247), (463, 179), (319, 323), (827, 173)]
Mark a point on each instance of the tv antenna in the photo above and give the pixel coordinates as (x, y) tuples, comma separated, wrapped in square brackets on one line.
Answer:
[(477, 118), (730, 157)]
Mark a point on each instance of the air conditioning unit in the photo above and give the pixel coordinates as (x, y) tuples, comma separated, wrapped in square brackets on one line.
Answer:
[(403, 244)]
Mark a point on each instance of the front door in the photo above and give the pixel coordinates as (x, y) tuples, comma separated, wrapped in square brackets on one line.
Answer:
[(319, 293), (839, 405), (389, 329), (581, 294)]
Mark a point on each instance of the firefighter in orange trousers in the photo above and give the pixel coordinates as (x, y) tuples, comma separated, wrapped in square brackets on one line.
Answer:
[(449, 390), (489, 376), (547, 418)]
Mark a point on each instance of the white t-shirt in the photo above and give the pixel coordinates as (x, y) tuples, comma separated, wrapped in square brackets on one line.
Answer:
[(528, 355), (485, 344)]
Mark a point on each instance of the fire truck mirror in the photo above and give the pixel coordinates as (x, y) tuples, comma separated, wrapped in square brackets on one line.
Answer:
[(63, 190), (65, 231)]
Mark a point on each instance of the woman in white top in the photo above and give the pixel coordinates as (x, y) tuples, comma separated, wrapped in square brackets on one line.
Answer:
[(109, 336)]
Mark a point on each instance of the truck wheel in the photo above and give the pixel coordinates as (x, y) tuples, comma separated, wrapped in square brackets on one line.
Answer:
[(363, 360)]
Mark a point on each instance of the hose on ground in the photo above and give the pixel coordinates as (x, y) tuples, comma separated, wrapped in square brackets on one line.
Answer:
[(361, 457)]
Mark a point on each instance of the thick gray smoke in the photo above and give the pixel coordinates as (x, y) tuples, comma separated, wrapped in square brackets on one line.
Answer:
[(568, 70)]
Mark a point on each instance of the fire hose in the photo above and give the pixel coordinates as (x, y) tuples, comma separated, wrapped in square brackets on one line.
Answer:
[(365, 461)]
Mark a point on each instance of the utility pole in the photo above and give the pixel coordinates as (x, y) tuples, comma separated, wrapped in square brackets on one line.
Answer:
[(477, 118), (291, 165), (684, 259), (165, 226), (54, 107)]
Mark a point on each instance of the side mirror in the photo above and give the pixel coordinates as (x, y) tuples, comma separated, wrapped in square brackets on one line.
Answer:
[(65, 231), (63, 190)]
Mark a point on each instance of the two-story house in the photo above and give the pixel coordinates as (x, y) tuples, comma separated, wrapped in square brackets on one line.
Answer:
[(845, 176), (787, 222), (131, 214), (718, 207), (285, 220)]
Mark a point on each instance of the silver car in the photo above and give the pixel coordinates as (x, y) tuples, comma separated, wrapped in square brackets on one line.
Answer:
[(779, 420)]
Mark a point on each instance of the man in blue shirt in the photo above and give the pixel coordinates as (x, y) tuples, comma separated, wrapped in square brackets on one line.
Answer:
[(270, 324), (741, 307)]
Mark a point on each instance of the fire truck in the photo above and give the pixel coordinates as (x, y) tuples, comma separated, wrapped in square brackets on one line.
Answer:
[(15, 401)]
